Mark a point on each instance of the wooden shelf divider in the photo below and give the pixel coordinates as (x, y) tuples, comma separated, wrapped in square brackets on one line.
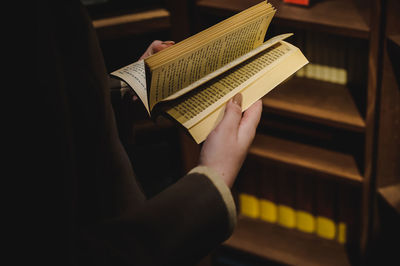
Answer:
[(287, 246), (317, 101), (338, 17), (338, 165)]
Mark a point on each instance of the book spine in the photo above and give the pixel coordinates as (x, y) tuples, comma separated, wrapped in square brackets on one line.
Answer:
[(248, 191), (325, 203), (268, 206), (325, 58), (318, 46), (305, 213), (286, 198), (310, 54), (348, 214), (298, 2), (331, 57), (300, 43), (342, 72)]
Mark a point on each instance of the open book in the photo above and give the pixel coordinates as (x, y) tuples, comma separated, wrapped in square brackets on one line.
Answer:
[(192, 81)]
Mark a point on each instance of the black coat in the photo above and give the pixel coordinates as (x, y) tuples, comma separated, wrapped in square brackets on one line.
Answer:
[(110, 221)]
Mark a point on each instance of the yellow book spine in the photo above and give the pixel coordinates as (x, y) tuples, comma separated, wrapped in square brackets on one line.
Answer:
[(326, 228), (342, 233), (286, 216), (249, 205), (305, 221), (268, 211)]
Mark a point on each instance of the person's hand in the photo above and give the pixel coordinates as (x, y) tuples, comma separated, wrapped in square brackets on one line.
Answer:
[(155, 47), (226, 147)]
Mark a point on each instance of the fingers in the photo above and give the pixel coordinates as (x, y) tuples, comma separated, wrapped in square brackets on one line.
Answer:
[(148, 52), (233, 114), (249, 122), (158, 46), (226, 147), (155, 47)]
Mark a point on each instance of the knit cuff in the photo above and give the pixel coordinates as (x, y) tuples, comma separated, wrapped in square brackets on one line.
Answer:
[(223, 190)]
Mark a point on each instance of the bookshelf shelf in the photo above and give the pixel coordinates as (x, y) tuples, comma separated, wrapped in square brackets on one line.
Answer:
[(284, 245), (391, 194), (338, 165), (339, 17), (317, 101), (133, 23), (395, 39)]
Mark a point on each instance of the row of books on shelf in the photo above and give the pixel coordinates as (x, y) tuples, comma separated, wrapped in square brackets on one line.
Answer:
[(298, 200), (332, 59)]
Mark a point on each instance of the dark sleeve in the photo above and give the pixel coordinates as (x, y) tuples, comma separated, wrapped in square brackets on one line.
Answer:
[(177, 227), (115, 91)]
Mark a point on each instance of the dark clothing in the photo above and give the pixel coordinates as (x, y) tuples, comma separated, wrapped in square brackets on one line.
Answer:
[(110, 220)]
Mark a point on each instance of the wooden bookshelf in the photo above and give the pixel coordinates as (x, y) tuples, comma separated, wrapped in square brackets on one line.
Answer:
[(388, 167), (342, 17), (133, 23), (391, 194), (307, 99), (338, 165), (341, 110), (387, 217), (118, 19), (393, 50), (395, 39), (290, 247)]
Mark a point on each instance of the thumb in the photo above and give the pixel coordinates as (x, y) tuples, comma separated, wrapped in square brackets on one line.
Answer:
[(233, 114), (249, 122)]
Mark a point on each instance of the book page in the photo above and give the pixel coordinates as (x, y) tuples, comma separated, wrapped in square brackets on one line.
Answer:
[(228, 66), (198, 104), (135, 76), (253, 92), (187, 68)]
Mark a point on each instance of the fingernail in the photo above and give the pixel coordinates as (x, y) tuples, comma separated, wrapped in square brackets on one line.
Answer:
[(237, 99), (168, 42)]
